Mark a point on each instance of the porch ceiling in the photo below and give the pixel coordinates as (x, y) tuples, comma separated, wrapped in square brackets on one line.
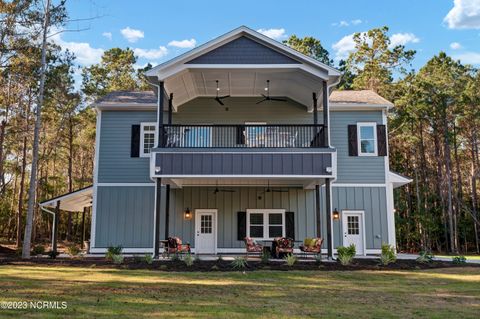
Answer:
[(290, 82), (306, 183)]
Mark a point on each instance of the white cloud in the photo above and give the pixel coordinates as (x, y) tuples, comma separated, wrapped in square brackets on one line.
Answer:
[(276, 34), (468, 58), (151, 54), (344, 23), (132, 35), (85, 54), (465, 14), (455, 46), (183, 44), (402, 39), (107, 35), (343, 47)]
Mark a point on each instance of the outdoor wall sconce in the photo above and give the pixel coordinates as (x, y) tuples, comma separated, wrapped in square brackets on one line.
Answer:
[(336, 214), (187, 214)]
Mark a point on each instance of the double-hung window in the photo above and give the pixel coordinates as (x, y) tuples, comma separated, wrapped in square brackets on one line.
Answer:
[(265, 223), (367, 139), (148, 138)]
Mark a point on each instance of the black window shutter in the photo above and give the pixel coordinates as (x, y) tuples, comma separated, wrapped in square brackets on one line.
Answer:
[(352, 140), (241, 225), (381, 140), (290, 225), (241, 134), (135, 141)]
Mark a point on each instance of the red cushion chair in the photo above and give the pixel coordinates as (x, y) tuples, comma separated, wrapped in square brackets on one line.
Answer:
[(316, 248), (252, 246), (175, 246), (283, 246)]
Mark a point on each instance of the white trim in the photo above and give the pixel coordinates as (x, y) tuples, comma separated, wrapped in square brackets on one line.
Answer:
[(359, 138), (244, 176), (234, 34), (124, 184), (124, 250), (155, 224), (142, 138), (95, 179), (292, 151), (265, 213), (362, 213), (357, 185), (215, 216)]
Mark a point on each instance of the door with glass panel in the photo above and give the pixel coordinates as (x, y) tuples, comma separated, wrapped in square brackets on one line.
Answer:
[(353, 232), (205, 231)]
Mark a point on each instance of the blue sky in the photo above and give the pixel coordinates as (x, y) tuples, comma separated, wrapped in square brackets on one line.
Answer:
[(160, 30)]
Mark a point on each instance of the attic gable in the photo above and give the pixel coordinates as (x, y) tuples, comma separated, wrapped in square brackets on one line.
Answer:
[(243, 50)]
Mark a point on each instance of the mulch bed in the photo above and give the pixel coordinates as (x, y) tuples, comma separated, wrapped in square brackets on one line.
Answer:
[(222, 265)]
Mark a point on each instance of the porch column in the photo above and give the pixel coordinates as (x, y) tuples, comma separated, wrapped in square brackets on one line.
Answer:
[(325, 112), (56, 217), (328, 208), (318, 214), (167, 194), (83, 226), (160, 107), (158, 201)]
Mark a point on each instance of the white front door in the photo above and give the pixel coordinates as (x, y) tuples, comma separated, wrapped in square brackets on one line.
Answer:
[(353, 232), (205, 231)]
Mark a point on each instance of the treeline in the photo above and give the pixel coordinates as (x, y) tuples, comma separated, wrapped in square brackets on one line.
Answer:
[(433, 129)]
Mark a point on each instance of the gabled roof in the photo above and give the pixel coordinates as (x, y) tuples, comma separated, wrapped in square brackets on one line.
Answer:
[(73, 202), (234, 34), (398, 180)]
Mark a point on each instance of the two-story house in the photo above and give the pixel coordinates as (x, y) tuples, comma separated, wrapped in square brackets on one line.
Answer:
[(242, 136)]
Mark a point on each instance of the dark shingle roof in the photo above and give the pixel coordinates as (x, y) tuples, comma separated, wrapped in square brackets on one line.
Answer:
[(362, 97), (128, 97)]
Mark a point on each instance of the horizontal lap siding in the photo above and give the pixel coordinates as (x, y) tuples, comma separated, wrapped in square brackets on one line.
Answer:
[(355, 169), (124, 216), (115, 163)]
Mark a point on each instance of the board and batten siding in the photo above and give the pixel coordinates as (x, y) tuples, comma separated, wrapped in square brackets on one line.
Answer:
[(124, 216), (115, 164)]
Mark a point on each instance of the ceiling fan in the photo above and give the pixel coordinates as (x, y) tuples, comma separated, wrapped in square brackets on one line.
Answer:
[(270, 190), (219, 98), (223, 190), (268, 97)]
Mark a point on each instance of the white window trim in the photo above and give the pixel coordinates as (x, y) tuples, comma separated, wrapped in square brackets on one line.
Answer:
[(142, 137), (359, 138), (265, 213)]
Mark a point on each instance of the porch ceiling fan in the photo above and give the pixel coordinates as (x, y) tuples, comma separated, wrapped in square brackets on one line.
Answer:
[(223, 190), (272, 190), (219, 98), (267, 97)]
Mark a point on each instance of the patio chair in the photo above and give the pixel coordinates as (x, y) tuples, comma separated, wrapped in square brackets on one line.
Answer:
[(312, 246), (175, 246), (252, 247), (283, 246)]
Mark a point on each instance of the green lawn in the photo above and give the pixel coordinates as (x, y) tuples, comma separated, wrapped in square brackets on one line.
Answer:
[(91, 292)]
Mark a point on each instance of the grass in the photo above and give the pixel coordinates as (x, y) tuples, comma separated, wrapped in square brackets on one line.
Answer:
[(117, 293)]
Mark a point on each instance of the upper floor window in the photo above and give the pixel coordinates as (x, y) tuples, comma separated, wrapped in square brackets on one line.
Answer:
[(367, 139), (147, 138)]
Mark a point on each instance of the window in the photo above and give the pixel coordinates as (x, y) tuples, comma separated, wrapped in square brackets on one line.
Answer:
[(147, 138), (265, 223), (367, 139)]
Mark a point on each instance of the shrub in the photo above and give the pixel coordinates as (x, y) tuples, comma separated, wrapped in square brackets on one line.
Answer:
[(239, 263), (188, 260), (220, 258), (52, 254), (117, 259), (73, 250), (425, 257), (290, 259), (38, 250), (318, 259), (113, 251), (265, 257), (388, 254), (346, 254), (148, 259), (175, 257), (458, 260)]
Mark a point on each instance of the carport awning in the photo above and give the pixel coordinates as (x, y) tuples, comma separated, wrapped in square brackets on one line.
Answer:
[(72, 202)]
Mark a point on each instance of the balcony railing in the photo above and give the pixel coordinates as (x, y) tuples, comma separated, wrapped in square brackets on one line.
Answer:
[(243, 136)]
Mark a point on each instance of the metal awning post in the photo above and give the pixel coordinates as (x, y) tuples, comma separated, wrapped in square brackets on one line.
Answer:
[(83, 227), (56, 218)]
